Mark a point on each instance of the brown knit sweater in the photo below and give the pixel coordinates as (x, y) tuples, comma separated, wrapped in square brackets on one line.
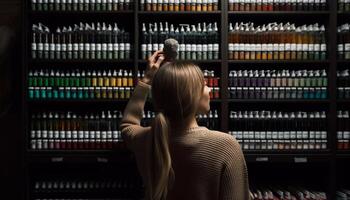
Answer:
[(208, 165)]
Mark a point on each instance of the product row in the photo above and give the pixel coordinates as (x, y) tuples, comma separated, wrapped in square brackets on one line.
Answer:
[(344, 42), (79, 92), (343, 92), (277, 5), (343, 194), (343, 5), (84, 41), (258, 144), (179, 5), (277, 42), (343, 78), (196, 42), (80, 78), (265, 120), (84, 5), (277, 92), (278, 78), (343, 130), (288, 193), (280, 135)]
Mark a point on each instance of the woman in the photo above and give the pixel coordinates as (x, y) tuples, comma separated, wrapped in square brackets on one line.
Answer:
[(178, 159)]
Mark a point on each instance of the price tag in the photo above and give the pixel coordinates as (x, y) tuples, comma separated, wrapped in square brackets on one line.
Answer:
[(102, 160), (262, 159), (300, 160), (57, 159)]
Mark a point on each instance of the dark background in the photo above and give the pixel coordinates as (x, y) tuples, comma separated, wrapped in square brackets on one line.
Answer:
[(10, 103)]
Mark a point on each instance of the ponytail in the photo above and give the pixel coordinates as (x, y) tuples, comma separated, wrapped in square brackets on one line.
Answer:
[(162, 174)]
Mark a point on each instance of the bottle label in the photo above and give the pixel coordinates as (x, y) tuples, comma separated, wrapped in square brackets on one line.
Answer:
[(104, 47), (182, 47), (340, 47), (34, 46), (58, 47), (293, 47), (317, 47), (323, 47), (230, 47), (305, 47), (70, 47), (75, 46), (193, 47), (199, 47), (149, 47), (128, 47), (288, 46), (347, 47), (144, 47), (281, 47), (92, 46), (81, 46), (205, 47), (155, 47), (46, 47), (115, 47), (87, 46), (98, 47), (299, 47), (210, 47), (188, 47), (275, 47), (311, 47), (216, 47), (122, 47), (64, 47), (110, 47)]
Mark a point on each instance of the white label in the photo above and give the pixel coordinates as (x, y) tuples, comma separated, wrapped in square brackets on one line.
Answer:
[(52, 47), (262, 159), (104, 47), (58, 47), (34, 46), (323, 47), (300, 160), (121, 46)]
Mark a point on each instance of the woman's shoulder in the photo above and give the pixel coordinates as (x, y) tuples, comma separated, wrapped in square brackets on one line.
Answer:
[(222, 138)]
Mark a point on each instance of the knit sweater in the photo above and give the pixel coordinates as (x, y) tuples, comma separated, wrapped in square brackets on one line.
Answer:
[(208, 165)]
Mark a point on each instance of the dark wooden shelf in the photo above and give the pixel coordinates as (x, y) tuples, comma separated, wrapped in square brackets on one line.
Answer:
[(343, 12), (343, 100), (76, 101), (343, 154), (80, 156), (307, 13), (343, 61), (78, 61), (54, 13), (179, 12), (310, 101), (287, 158), (278, 61)]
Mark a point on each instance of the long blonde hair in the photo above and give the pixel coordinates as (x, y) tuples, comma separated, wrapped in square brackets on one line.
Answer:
[(176, 91)]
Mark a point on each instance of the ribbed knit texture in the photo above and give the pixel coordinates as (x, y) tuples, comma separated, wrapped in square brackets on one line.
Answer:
[(208, 165)]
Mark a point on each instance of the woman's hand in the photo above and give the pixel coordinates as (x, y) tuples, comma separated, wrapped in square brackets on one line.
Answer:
[(153, 65)]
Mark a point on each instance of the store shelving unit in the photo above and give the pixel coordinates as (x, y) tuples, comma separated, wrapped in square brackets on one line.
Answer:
[(223, 66)]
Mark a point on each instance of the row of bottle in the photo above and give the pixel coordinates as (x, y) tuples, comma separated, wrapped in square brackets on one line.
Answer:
[(288, 193), (276, 42), (114, 185), (76, 144), (343, 130), (343, 78), (79, 93), (280, 135), (196, 42), (344, 41), (277, 92), (344, 5), (84, 41), (80, 78), (280, 144), (212, 82), (277, 5), (278, 78), (179, 5), (83, 5), (262, 120), (343, 92), (343, 194)]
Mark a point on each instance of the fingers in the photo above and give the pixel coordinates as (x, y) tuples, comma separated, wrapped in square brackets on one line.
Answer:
[(152, 59), (159, 61)]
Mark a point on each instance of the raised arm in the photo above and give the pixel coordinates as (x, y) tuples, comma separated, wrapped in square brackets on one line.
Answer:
[(130, 124)]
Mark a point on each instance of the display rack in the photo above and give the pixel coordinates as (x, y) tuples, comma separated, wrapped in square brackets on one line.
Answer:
[(48, 159)]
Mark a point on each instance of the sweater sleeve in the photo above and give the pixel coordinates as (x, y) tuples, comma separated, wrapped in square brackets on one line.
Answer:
[(234, 178), (130, 124)]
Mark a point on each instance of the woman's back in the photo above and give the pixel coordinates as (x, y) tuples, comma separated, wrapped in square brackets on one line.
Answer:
[(177, 159)]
